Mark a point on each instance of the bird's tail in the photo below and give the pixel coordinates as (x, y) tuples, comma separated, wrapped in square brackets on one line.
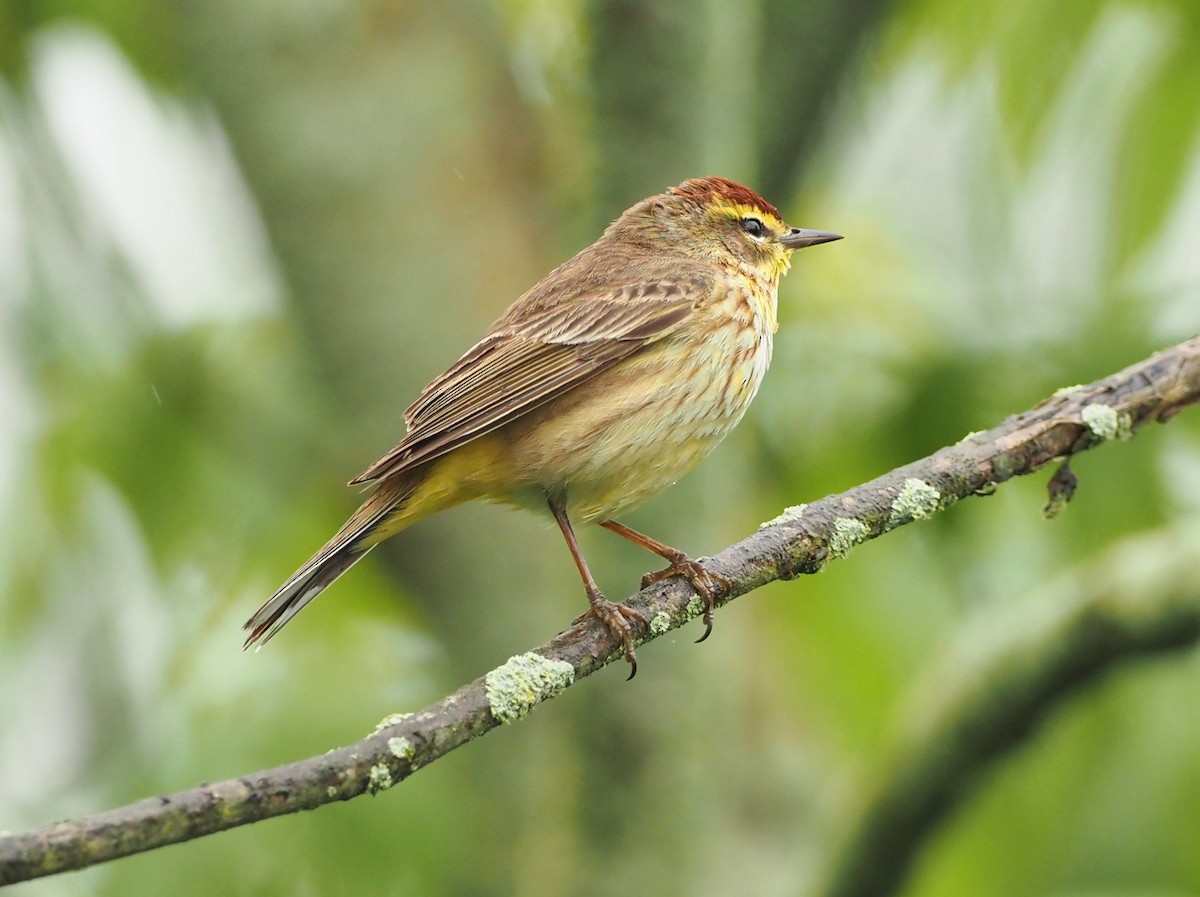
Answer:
[(382, 514)]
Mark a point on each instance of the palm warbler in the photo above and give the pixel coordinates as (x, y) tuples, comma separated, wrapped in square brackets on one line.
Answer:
[(600, 387)]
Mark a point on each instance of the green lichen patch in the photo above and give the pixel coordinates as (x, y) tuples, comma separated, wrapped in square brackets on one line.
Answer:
[(660, 622), (1064, 391), (695, 607), (390, 720), (401, 748), (1105, 422), (917, 500), (790, 514), (524, 681), (380, 779), (1100, 419), (847, 532)]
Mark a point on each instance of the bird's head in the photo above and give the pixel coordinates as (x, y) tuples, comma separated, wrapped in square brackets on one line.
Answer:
[(718, 220)]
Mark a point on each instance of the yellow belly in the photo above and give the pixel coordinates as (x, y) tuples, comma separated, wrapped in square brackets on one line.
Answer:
[(636, 429)]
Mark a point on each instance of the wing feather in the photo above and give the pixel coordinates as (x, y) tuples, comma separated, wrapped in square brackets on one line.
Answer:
[(525, 364)]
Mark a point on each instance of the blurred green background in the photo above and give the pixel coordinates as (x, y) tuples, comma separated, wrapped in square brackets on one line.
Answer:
[(237, 238)]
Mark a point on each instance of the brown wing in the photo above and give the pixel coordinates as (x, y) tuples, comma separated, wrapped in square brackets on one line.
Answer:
[(525, 364)]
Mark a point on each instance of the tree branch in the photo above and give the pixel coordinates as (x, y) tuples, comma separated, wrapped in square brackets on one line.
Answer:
[(801, 540)]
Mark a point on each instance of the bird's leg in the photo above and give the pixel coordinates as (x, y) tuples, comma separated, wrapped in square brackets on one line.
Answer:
[(706, 583), (617, 618)]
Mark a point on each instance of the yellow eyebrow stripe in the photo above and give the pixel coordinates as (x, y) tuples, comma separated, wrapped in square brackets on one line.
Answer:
[(722, 208)]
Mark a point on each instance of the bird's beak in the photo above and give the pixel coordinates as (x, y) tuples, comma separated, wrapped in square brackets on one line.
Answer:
[(798, 238)]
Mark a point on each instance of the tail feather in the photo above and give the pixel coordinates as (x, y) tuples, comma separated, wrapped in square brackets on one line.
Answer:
[(302, 587), (352, 542)]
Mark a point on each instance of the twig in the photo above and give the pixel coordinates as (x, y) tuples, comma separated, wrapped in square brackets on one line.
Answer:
[(801, 540)]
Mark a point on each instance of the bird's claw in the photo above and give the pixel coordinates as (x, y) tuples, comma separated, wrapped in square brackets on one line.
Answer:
[(708, 585), (619, 619)]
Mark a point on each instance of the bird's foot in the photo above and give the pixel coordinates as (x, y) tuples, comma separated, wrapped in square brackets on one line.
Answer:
[(708, 585), (620, 620)]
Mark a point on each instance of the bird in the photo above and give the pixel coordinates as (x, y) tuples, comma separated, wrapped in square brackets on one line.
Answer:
[(611, 378)]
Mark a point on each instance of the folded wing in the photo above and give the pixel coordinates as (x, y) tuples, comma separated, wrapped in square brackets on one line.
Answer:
[(522, 365)]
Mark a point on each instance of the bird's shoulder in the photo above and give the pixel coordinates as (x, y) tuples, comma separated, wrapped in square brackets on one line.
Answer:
[(610, 275)]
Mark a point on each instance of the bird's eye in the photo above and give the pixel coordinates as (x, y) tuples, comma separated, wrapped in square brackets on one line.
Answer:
[(754, 228)]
